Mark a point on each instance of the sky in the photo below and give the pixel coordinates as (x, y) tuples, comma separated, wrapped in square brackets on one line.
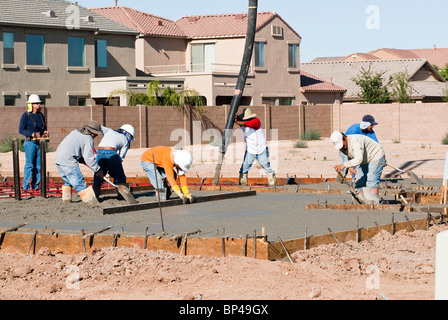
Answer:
[(329, 28)]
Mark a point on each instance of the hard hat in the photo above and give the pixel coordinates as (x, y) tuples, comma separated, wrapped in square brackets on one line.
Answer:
[(129, 129), (336, 138), (183, 159), (34, 98)]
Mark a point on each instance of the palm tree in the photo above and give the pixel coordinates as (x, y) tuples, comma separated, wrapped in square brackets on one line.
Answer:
[(185, 100)]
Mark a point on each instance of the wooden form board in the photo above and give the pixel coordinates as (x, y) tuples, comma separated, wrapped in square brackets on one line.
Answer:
[(176, 202)]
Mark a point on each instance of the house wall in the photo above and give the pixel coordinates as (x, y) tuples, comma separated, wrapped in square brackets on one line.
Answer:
[(56, 81), (171, 126)]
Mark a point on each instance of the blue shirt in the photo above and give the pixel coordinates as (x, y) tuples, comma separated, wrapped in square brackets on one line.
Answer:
[(356, 129), (32, 122)]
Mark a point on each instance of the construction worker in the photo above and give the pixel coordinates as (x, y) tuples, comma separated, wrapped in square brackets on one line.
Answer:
[(77, 148), (366, 153), (160, 164), (256, 146), (111, 153), (33, 126), (365, 128)]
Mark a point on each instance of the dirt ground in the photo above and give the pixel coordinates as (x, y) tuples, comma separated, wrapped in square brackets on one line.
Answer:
[(398, 267)]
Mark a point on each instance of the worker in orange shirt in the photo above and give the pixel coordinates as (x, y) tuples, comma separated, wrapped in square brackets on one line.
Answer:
[(168, 164)]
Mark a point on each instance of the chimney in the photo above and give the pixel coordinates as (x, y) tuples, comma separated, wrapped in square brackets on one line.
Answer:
[(116, 3)]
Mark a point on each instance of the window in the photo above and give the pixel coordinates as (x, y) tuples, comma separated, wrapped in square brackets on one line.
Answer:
[(76, 57), (293, 61), (203, 57), (277, 31), (259, 54), (9, 101), (35, 49), (77, 101), (285, 101), (8, 48), (101, 53)]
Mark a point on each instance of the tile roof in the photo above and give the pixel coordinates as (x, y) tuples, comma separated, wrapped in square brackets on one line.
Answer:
[(223, 25), (399, 53), (341, 73), (436, 56), (144, 23), (37, 13), (365, 56), (311, 83)]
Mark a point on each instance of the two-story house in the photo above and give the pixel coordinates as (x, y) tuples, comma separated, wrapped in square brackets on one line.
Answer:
[(206, 52), (55, 48)]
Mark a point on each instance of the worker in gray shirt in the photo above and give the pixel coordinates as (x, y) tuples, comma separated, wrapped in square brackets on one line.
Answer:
[(111, 153), (366, 153), (77, 148)]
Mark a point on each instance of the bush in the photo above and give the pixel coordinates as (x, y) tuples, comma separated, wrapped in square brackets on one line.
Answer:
[(445, 139), (6, 144), (311, 135), (300, 144)]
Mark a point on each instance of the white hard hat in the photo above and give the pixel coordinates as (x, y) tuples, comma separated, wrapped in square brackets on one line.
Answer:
[(34, 98), (129, 129), (336, 139), (183, 159)]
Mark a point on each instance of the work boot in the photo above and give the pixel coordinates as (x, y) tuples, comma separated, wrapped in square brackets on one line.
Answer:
[(271, 179), (361, 194), (372, 195), (164, 194), (88, 196), (243, 179), (66, 194)]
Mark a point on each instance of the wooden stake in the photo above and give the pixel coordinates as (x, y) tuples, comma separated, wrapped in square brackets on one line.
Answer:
[(410, 223), (329, 229), (255, 244), (291, 259), (15, 161), (33, 243)]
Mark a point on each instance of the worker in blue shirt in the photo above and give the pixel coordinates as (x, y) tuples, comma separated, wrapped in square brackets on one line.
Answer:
[(33, 127)]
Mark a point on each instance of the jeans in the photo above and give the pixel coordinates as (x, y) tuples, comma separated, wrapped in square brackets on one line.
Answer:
[(151, 172), (31, 176), (110, 161), (262, 158), (72, 176), (369, 175)]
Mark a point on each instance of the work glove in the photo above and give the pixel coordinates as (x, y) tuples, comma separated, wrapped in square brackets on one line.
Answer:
[(179, 193), (186, 192), (99, 175)]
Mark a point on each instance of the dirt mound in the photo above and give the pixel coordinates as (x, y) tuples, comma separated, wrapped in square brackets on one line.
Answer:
[(386, 267)]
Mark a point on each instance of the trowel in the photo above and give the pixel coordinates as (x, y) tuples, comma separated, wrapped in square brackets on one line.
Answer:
[(352, 191), (124, 191)]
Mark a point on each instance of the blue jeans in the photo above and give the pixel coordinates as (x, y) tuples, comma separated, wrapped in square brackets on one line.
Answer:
[(110, 161), (151, 172), (369, 175), (72, 177), (262, 158), (31, 174)]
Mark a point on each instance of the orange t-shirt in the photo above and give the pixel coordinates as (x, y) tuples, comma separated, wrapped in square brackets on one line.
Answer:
[(163, 158)]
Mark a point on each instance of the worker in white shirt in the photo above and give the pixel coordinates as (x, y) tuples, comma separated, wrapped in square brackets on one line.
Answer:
[(111, 153), (366, 153)]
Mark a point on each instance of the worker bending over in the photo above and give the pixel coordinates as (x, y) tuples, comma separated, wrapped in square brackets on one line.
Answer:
[(111, 153), (164, 163), (77, 148), (366, 153)]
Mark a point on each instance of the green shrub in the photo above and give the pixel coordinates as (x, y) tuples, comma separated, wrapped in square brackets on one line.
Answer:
[(311, 135), (445, 139), (6, 144), (300, 144)]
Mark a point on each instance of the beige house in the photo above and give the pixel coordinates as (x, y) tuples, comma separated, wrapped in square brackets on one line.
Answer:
[(54, 48), (206, 52)]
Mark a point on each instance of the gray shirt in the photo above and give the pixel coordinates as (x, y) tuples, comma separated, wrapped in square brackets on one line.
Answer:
[(114, 139), (74, 147), (362, 149)]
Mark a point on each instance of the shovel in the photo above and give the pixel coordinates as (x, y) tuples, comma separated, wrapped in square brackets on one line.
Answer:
[(352, 191), (124, 191), (410, 174)]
